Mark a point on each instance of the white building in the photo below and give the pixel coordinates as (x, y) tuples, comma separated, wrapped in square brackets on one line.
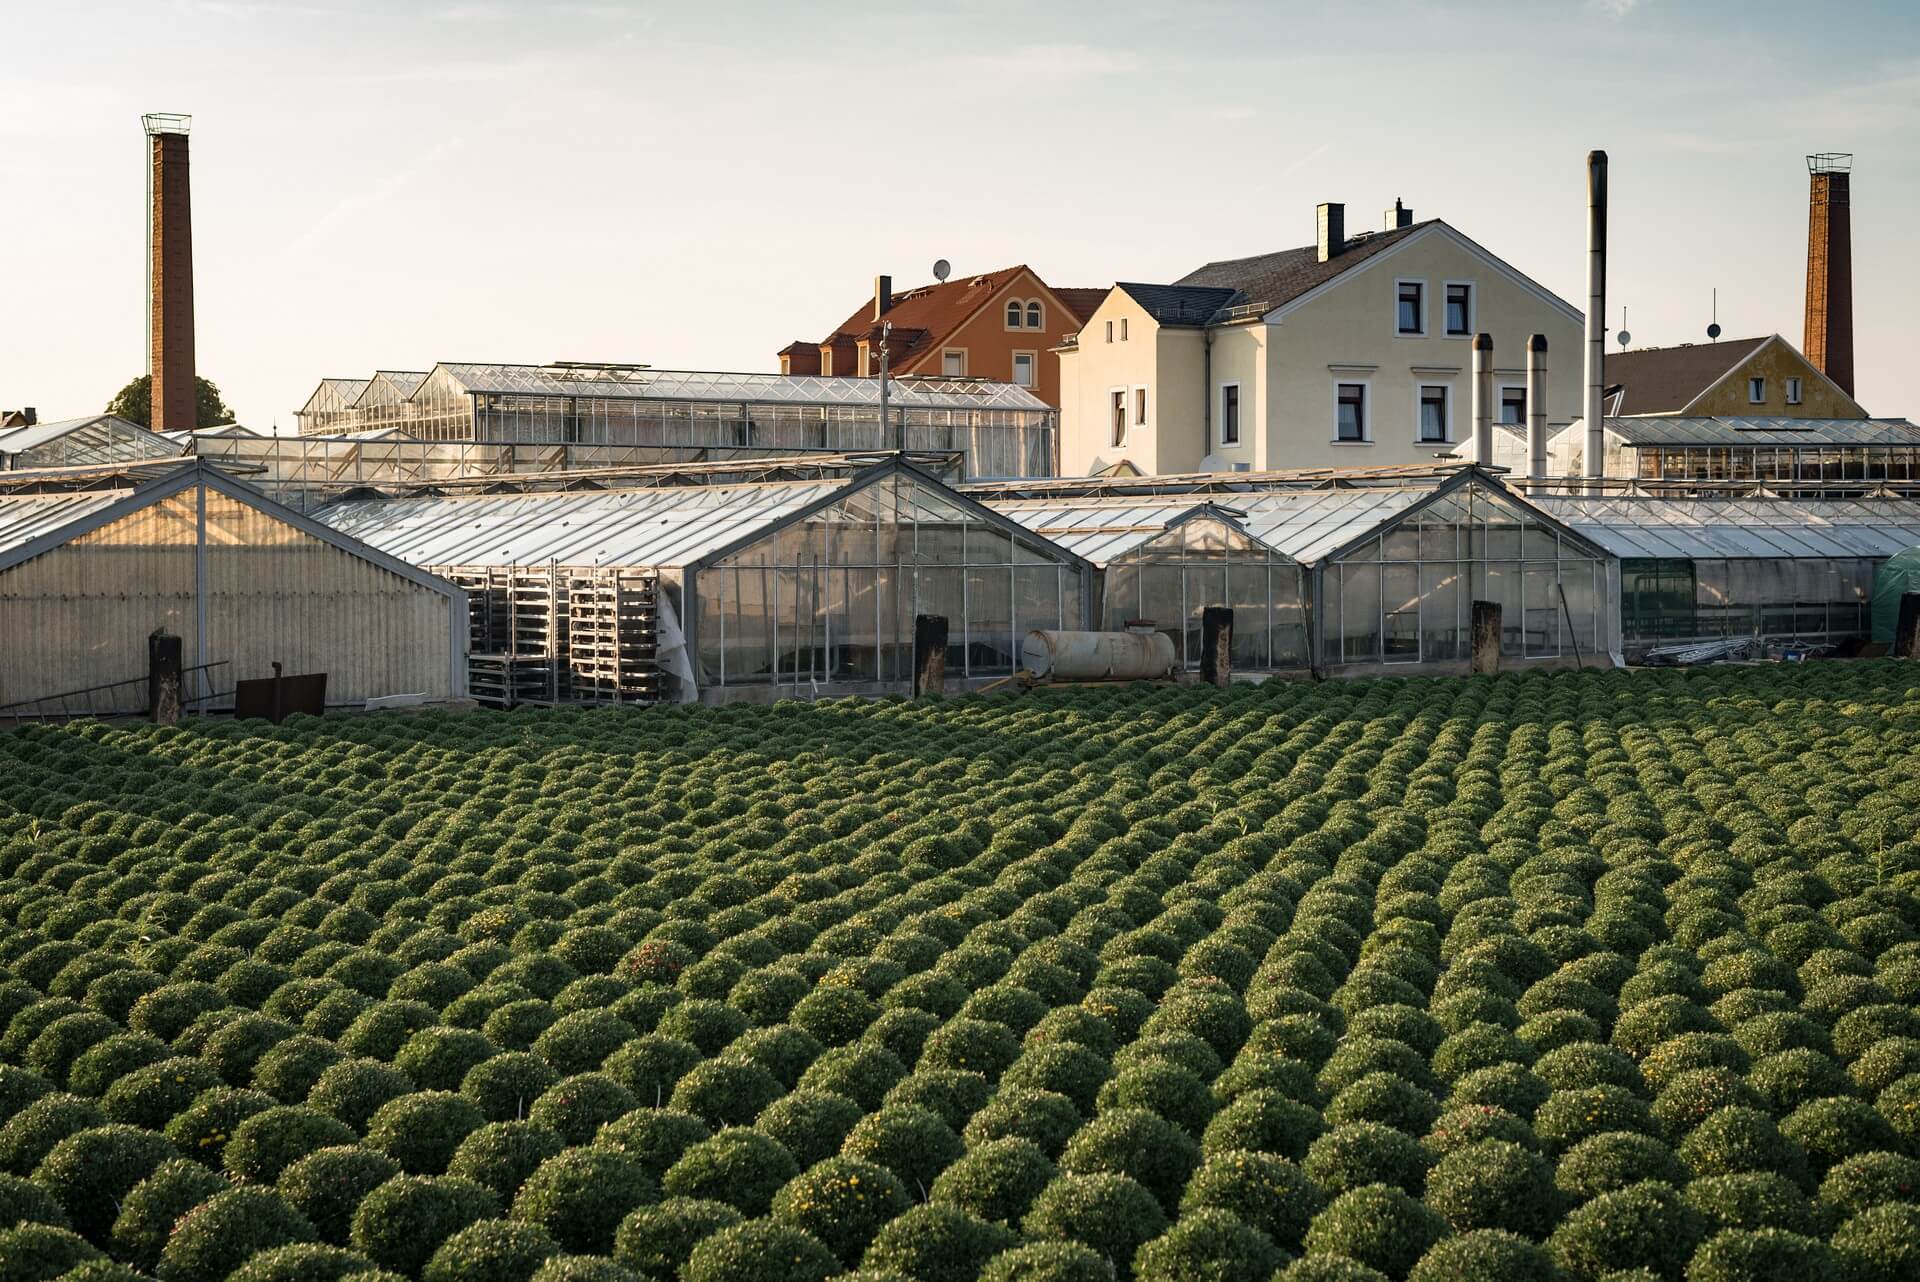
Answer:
[(1353, 351)]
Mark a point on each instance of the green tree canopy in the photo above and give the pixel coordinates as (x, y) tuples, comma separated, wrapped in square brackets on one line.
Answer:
[(134, 402)]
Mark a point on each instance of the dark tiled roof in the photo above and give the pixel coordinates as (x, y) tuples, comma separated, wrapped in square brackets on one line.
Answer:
[(1665, 380), (1081, 302), (1277, 278), (1178, 304)]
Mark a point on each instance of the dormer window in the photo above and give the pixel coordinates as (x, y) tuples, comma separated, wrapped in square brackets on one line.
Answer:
[(1014, 313), (1033, 316)]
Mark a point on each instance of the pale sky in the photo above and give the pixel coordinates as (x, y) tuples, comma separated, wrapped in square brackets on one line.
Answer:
[(694, 185)]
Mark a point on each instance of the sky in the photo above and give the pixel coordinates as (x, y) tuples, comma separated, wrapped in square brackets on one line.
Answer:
[(390, 184)]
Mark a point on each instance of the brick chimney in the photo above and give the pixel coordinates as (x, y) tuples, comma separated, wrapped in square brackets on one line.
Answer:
[(1829, 335), (882, 296), (170, 278), (1333, 230)]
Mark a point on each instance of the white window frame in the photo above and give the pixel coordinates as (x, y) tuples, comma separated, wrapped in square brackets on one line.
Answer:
[(1499, 398), (1032, 307), (1425, 300), (1033, 369), (1366, 406), (945, 352), (1756, 382), (1018, 318), (1473, 307), (863, 360), (1420, 391), (1239, 416), (1795, 391), (1140, 400), (1118, 394)]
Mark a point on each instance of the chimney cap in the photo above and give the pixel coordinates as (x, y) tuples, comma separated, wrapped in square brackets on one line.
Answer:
[(1483, 342), (1536, 342), (1596, 157), (167, 122), (1830, 162)]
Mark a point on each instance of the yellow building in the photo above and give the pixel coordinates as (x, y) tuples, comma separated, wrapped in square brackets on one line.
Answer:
[(1352, 351), (1749, 377)]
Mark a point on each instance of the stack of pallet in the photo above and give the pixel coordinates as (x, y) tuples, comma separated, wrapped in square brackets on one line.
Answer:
[(517, 634), (611, 642)]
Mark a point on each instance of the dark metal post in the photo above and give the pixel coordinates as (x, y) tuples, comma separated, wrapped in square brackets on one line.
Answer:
[(1906, 632), (929, 654), (1486, 637), (279, 696), (1216, 645), (163, 677)]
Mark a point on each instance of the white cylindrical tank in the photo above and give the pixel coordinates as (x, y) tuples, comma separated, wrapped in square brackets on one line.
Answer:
[(1098, 656)]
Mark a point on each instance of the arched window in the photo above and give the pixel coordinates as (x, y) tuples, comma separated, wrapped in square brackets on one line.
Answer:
[(1013, 315), (1033, 316)]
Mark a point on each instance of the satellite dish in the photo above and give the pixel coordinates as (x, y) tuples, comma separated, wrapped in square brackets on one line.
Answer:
[(1625, 338), (942, 269), (1713, 330)]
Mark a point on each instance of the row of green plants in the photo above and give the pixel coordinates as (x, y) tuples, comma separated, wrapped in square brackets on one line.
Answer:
[(1589, 978)]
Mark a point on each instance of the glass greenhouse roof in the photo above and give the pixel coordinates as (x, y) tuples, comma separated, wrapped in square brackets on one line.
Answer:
[(1766, 432), (703, 385), (1712, 529), (26, 517)]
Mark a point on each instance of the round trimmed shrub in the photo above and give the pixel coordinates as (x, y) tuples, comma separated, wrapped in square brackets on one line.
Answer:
[(31, 1134), (439, 1058), (651, 1066), (759, 1251), (1742, 1139), (149, 1212), (150, 1096), (1881, 1244), (842, 1203), (1569, 1117), (863, 1073), (1494, 1185), (290, 1070), (1762, 1255), (328, 1186), (1793, 1077), (1485, 1255), (421, 1131), (400, 1224), (1112, 1214), (1388, 1100), (782, 1049), (491, 1251), (1362, 1153), (656, 1240), (1614, 1160), (1476, 1122), (581, 1195), (740, 1167), (1586, 1064), (1266, 1192), (1046, 1118), (501, 1155), (995, 1181), (576, 1107), (1264, 1121), (1209, 1246), (353, 1090), (581, 1041), (936, 1243), (39, 1252), (268, 1142), (222, 1233), (729, 1091), (1139, 1145), (911, 1142), (305, 1262), (1048, 1262), (1643, 1226), (1870, 1179), (1695, 1095), (1511, 1087), (90, 1171), (835, 1013), (810, 1124), (949, 1094), (1381, 1227), (504, 1087), (1751, 1200), (1831, 1130), (24, 1202)]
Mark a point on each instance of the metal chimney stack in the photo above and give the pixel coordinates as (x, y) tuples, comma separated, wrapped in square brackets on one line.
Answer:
[(1596, 428), (1537, 406), (170, 275), (1829, 334), (1482, 392)]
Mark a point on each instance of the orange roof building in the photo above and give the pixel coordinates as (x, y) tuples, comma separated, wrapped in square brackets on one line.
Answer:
[(1000, 325)]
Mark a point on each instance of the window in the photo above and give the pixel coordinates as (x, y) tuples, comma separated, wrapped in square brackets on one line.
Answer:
[(1013, 315), (826, 361), (953, 363), (1033, 316), (1139, 406), (862, 364), (1123, 329), (1230, 414), (1793, 391), (1756, 391), (1513, 404), (1350, 411), (1118, 400), (1433, 414), (1411, 313), (1109, 331), (1459, 308), (1023, 368)]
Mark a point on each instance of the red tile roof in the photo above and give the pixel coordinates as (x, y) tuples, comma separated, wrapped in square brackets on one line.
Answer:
[(1083, 303), (925, 316)]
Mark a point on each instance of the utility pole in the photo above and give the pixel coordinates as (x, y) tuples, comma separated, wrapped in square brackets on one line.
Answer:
[(886, 331)]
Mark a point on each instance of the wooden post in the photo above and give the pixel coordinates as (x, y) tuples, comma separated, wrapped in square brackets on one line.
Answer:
[(929, 654), (1216, 645), (163, 677), (1486, 637), (1906, 632)]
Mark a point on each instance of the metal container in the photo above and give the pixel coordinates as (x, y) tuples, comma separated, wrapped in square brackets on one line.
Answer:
[(1098, 656)]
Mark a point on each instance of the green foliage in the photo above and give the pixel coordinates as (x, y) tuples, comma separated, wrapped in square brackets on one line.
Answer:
[(740, 1167), (328, 1186), (1209, 1246), (223, 1232), (1261, 1190), (841, 1202), (1485, 1255), (937, 1243), (581, 1195), (1381, 1227), (491, 1251), (150, 1210), (1645, 1225), (1112, 1214), (134, 402), (400, 1224)]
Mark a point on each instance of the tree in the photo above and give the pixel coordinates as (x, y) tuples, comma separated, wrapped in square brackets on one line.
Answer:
[(134, 402)]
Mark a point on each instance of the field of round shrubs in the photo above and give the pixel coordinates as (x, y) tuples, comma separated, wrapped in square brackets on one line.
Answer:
[(1596, 977)]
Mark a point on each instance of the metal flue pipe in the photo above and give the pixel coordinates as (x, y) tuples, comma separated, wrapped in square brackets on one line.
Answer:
[(1483, 399), (1594, 460), (1537, 406)]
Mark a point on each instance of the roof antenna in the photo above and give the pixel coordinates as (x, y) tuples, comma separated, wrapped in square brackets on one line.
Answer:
[(1625, 337), (1713, 330)]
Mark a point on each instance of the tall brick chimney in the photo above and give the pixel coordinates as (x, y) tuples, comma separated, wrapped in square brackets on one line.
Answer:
[(1829, 336), (170, 274)]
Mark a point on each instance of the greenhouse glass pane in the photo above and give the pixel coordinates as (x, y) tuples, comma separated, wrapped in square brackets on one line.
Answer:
[(1163, 602), (1359, 613), (1440, 611), (1400, 594), (1540, 593), (1036, 600), (1248, 593), (1289, 616), (991, 645)]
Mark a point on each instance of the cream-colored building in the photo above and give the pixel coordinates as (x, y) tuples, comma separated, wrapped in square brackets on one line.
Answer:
[(1351, 352)]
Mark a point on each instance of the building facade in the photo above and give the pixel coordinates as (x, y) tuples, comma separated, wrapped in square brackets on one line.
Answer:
[(1353, 351), (1001, 326), (1745, 377)]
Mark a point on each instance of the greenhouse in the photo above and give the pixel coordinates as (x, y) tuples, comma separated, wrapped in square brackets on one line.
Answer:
[(1343, 572), (1785, 453), (1710, 569), (1002, 430), (675, 586), (81, 442)]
